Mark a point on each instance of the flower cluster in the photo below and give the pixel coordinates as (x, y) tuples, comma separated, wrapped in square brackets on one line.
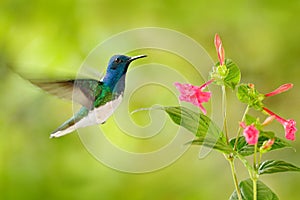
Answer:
[(251, 138), (288, 124), (196, 96)]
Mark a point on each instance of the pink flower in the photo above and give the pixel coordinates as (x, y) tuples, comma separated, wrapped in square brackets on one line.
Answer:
[(282, 88), (290, 129), (288, 124), (251, 133), (220, 49), (194, 94)]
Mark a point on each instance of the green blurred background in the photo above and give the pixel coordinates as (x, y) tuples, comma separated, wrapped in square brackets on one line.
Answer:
[(262, 37)]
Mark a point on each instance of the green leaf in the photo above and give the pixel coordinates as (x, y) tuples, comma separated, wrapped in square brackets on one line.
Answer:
[(263, 191), (212, 143), (206, 131), (242, 93), (267, 135), (275, 166), (250, 96), (234, 74), (197, 123), (250, 120), (245, 149)]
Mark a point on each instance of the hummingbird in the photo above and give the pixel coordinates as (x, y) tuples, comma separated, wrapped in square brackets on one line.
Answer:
[(99, 98)]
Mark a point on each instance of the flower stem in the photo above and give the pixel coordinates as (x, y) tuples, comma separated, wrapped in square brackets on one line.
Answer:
[(259, 158), (236, 184), (224, 107), (230, 157), (240, 129), (252, 173), (254, 176), (254, 182), (254, 156)]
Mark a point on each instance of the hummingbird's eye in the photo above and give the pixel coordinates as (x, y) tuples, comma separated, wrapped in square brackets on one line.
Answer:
[(118, 60)]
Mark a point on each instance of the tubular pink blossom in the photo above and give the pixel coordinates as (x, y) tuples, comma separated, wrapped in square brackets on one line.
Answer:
[(206, 84), (282, 88), (278, 118), (251, 134), (289, 125), (290, 129), (194, 94), (220, 49)]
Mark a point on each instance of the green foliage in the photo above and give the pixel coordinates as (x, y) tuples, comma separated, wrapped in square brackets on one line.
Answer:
[(197, 123), (250, 120), (214, 144), (234, 75), (219, 73), (207, 132), (246, 187), (250, 96), (228, 74), (275, 166), (209, 135)]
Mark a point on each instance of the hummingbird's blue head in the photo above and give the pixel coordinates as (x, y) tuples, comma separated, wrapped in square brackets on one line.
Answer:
[(117, 68)]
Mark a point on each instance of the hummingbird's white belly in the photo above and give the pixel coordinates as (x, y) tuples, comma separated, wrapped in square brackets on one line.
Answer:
[(102, 113), (96, 116)]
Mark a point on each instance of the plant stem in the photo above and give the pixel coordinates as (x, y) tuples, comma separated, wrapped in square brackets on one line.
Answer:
[(254, 176), (254, 156), (240, 129), (259, 158), (236, 184), (252, 173), (254, 182), (224, 107), (230, 158)]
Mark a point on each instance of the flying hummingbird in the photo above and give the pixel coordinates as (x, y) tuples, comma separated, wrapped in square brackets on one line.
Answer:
[(99, 99)]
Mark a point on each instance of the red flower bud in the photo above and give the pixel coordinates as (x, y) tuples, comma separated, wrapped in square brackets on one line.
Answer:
[(282, 88), (220, 49)]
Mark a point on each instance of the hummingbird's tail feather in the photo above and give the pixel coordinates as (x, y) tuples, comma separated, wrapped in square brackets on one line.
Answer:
[(80, 119), (65, 128), (85, 117)]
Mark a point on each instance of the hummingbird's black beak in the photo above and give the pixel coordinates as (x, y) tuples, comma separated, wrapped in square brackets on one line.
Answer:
[(136, 57)]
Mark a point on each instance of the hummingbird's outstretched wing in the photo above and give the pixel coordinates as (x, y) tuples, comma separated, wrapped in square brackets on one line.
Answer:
[(82, 91)]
